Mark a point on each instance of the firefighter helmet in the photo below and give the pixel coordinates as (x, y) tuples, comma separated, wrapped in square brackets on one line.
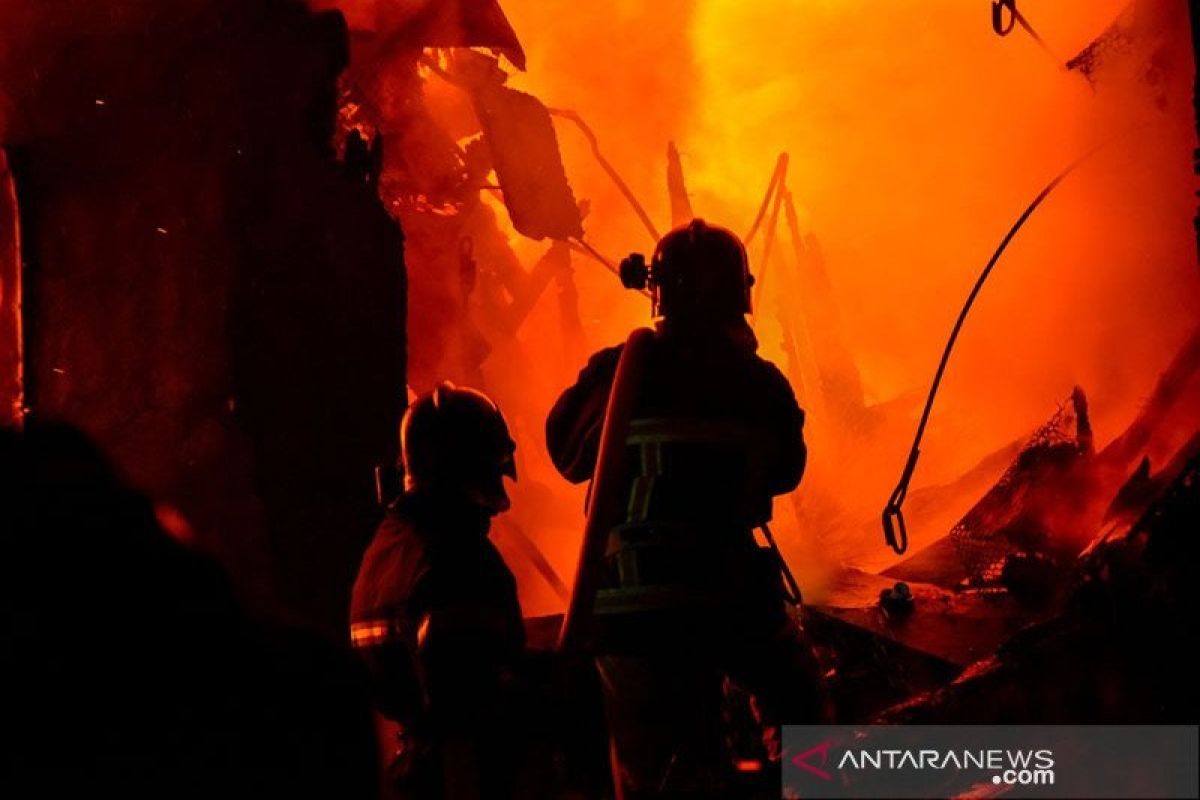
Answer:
[(699, 272), (454, 441)]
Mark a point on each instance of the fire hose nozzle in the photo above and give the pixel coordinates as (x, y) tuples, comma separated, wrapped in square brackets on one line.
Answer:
[(634, 272)]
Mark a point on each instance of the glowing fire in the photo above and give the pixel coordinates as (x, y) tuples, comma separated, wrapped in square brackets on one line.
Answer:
[(915, 136)]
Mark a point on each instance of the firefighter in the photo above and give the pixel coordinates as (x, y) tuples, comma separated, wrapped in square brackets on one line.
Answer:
[(686, 596), (434, 611)]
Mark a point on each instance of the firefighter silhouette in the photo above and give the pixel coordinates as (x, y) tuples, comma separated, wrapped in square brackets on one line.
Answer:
[(434, 611), (687, 434)]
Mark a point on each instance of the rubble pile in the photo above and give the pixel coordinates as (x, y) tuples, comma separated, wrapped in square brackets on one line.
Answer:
[(1042, 494), (1056, 597), (1113, 654)]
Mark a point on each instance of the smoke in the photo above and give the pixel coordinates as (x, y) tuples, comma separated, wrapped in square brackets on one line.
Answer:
[(916, 136)]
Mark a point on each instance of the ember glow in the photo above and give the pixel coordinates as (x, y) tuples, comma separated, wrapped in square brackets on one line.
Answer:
[(283, 282), (915, 135)]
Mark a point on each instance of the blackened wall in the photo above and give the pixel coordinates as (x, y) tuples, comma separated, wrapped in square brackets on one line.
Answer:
[(208, 293)]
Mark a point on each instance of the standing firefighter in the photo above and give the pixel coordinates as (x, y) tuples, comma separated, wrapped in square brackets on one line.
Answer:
[(687, 435), (434, 612)]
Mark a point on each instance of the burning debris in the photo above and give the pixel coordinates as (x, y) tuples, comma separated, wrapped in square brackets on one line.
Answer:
[(518, 134), (1035, 509), (202, 264), (1058, 489), (1137, 41), (1062, 543), (1112, 653)]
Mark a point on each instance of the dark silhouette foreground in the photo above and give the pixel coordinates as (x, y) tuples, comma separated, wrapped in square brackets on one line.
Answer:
[(130, 667)]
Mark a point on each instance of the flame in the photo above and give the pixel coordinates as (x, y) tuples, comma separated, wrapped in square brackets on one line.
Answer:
[(916, 135)]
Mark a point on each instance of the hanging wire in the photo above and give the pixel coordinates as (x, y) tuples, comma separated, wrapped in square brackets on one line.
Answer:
[(1015, 17), (895, 531), (608, 168)]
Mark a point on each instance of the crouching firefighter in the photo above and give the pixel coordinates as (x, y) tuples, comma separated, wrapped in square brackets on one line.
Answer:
[(434, 612), (687, 435)]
